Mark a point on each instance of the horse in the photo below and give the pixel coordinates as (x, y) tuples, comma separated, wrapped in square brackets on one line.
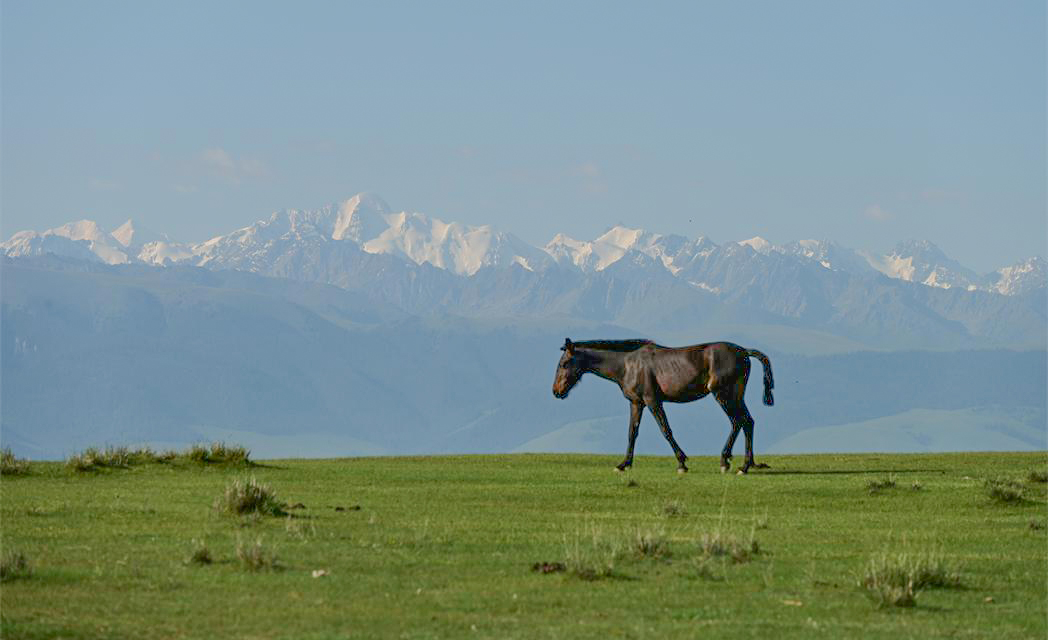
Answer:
[(650, 374)]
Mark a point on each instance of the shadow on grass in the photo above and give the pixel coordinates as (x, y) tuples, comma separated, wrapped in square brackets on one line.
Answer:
[(840, 472)]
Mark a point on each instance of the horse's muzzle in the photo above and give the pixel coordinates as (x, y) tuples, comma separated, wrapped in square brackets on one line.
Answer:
[(560, 394)]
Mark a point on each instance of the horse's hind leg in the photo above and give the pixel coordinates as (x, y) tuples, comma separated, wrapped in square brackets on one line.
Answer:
[(636, 411), (746, 420), (732, 402), (664, 424), (725, 461)]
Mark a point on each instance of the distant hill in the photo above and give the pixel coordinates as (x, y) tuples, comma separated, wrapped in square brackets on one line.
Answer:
[(95, 354)]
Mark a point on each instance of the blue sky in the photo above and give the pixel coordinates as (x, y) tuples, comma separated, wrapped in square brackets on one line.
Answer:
[(863, 122)]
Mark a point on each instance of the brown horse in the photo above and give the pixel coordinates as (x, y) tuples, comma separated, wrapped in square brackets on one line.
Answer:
[(649, 375)]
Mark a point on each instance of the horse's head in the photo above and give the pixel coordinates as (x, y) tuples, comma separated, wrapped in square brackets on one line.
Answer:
[(569, 370)]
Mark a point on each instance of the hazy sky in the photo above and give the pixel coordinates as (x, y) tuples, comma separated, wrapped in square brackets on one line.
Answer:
[(865, 122)]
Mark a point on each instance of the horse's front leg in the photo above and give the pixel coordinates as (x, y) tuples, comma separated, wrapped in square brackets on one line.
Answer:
[(636, 411), (664, 424)]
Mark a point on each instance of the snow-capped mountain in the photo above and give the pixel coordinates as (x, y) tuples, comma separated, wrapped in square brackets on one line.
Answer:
[(326, 243), (1020, 277), (83, 239), (673, 252)]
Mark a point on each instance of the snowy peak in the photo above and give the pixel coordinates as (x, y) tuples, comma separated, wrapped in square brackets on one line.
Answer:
[(673, 252), (923, 262), (360, 218), (1020, 277), (83, 239), (758, 244)]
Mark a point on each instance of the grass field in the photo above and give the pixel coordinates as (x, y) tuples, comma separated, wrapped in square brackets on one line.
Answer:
[(446, 547)]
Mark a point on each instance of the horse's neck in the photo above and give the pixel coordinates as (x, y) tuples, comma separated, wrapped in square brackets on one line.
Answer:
[(606, 364)]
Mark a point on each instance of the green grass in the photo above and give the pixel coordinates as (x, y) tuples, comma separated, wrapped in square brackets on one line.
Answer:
[(471, 546)]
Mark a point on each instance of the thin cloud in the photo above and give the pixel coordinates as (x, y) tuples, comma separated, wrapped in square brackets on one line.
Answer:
[(219, 163), (877, 214)]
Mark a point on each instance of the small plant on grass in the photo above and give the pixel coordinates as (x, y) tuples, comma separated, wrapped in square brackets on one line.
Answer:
[(1004, 491), (650, 543), (111, 457), (255, 556), (200, 553), (672, 509), (718, 544), (590, 555), (10, 465), (873, 486), (895, 579), (218, 453), (1037, 476), (249, 496), (14, 565)]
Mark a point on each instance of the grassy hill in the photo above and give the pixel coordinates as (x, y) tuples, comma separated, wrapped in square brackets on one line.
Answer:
[(435, 547)]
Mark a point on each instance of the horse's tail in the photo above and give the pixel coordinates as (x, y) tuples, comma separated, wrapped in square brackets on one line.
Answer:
[(769, 381)]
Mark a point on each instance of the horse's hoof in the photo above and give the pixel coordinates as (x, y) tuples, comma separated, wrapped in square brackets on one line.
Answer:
[(682, 470), (740, 472), (724, 468)]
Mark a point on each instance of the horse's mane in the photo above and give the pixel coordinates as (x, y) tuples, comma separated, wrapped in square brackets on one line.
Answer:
[(613, 345)]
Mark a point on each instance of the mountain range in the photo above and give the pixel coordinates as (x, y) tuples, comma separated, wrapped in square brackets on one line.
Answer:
[(366, 223), (354, 329), (822, 293)]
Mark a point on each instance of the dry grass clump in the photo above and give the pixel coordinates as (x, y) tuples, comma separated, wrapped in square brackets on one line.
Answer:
[(248, 496), (218, 453), (1037, 476), (590, 554), (111, 457), (895, 579), (10, 465), (650, 543), (255, 556), (92, 458), (718, 544), (873, 486), (200, 553), (672, 509), (1004, 491), (14, 565)]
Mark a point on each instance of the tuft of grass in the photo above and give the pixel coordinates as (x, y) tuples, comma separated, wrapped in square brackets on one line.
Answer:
[(218, 453), (672, 509), (14, 565), (895, 579), (10, 465), (650, 543), (92, 458), (255, 556), (1037, 476), (247, 496), (1003, 491), (916, 486), (717, 544), (303, 531), (873, 486), (200, 553), (590, 554)]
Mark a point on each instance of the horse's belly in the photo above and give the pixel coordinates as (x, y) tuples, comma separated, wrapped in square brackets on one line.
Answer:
[(675, 391)]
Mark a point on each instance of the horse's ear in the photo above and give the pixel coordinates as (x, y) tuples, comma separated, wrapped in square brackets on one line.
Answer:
[(567, 345)]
